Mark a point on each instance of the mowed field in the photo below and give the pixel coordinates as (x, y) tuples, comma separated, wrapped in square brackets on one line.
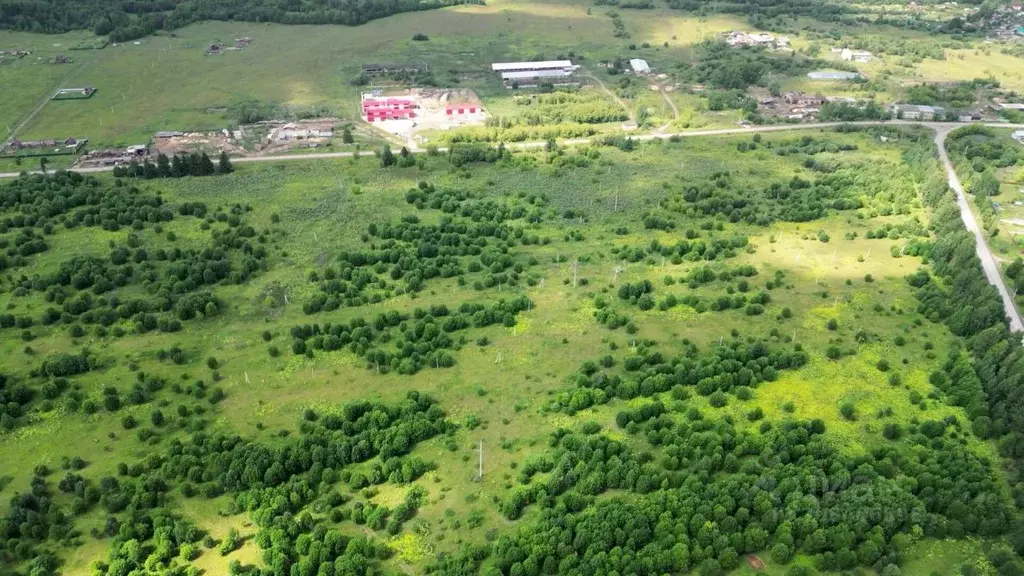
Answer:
[(499, 392)]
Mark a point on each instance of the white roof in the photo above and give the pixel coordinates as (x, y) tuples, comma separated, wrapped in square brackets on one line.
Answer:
[(547, 64), (639, 65), (528, 74), (1011, 106)]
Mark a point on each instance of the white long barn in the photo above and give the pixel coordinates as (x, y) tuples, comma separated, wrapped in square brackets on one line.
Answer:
[(528, 66)]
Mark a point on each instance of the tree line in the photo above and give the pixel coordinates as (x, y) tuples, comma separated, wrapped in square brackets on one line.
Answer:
[(140, 18), (177, 166)]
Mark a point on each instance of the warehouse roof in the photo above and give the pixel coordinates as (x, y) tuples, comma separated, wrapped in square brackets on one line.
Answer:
[(528, 74), (547, 64)]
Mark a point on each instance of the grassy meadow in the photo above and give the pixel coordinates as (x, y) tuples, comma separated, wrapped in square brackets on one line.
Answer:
[(499, 393)]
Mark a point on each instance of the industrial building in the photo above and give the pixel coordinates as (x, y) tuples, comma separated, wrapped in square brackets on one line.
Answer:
[(524, 74), (532, 66)]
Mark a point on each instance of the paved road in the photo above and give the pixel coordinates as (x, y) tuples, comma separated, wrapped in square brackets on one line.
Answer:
[(988, 261)]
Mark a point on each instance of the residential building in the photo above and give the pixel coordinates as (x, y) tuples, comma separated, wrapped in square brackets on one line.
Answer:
[(917, 112)]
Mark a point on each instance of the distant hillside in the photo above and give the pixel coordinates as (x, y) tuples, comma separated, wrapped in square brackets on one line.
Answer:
[(132, 19)]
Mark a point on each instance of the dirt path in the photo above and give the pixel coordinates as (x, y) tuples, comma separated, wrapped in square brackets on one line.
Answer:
[(672, 104), (613, 96)]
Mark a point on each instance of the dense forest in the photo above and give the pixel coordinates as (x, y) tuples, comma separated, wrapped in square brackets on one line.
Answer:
[(128, 20)]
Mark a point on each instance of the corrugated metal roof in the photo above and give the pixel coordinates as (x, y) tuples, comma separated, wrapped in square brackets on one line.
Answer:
[(530, 74), (547, 64), (639, 65)]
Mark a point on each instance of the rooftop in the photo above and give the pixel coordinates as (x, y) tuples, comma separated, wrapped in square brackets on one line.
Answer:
[(546, 64)]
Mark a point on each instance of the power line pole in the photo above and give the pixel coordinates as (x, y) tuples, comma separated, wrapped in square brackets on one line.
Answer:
[(480, 465)]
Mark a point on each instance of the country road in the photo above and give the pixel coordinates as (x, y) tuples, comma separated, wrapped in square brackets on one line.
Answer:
[(942, 129), (988, 261)]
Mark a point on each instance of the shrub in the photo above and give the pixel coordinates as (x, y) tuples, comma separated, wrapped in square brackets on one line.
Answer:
[(848, 410)]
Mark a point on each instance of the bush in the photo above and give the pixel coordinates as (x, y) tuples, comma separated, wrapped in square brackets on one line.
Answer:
[(848, 410), (832, 324), (718, 399)]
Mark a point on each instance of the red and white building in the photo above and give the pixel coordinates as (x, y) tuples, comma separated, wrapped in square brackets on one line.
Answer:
[(376, 109), (460, 109)]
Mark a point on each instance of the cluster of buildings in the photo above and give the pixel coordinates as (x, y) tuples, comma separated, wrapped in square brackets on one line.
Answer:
[(528, 74), (65, 146), (1007, 22), (375, 109), (114, 156), (763, 39)]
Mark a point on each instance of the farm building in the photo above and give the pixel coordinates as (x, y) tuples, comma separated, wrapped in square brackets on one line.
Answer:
[(861, 56), (639, 66), (916, 112), (304, 131), (167, 134), (532, 66), (1011, 106), (1018, 135)]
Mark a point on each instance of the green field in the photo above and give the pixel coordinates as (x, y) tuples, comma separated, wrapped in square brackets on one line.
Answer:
[(763, 353), (510, 386)]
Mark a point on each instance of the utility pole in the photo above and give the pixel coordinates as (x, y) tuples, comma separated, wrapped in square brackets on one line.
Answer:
[(480, 464), (575, 271)]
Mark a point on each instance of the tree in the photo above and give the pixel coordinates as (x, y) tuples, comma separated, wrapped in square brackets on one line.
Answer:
[(43, 163), (224, 163), (206, 165), (178, 169), (346, 135), (163, 165), (387, 158)]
